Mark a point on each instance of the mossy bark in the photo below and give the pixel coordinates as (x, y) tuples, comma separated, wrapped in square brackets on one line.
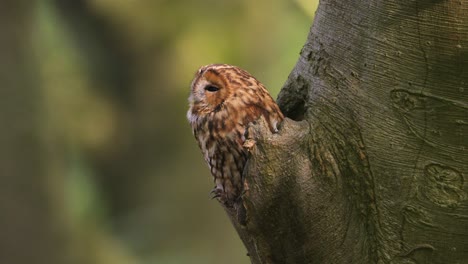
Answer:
[(372, 170)]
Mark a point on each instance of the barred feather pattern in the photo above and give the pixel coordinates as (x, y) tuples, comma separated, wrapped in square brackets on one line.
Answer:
[(223, 100)]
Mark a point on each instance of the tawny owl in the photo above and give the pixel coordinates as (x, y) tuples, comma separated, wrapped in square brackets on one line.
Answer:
[(224, 99)]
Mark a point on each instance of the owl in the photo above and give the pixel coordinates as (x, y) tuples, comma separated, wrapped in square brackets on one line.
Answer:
[(223, 100)]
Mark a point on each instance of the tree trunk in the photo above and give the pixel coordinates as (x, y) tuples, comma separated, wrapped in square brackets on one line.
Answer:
[(30, 229), (372, 169)]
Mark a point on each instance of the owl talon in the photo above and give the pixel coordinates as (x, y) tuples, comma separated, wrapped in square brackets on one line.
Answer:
[(216, 193), (215, 196)]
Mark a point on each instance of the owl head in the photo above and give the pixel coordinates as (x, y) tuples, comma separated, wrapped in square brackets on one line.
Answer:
[(210, 87), (229, 95)]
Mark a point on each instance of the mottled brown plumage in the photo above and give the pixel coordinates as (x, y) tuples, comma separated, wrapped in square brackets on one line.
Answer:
[(224, 99)]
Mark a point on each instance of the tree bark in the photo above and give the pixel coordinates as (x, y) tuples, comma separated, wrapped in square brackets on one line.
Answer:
[(372, 170)]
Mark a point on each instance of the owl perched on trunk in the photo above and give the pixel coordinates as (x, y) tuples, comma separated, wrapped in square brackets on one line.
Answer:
[(224, 99)]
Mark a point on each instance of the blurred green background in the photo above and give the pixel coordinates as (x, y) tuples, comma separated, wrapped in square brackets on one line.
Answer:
[(122, 176)]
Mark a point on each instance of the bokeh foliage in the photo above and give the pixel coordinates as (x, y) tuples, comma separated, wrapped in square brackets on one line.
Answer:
[(115, 74)]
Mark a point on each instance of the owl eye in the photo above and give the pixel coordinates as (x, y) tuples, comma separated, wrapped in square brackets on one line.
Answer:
[(211, 88)]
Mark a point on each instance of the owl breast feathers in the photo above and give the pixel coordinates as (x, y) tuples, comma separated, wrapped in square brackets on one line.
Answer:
[(224, 99)]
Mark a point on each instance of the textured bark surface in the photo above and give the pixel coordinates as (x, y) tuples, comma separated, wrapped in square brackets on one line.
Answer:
[(375, 171)]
